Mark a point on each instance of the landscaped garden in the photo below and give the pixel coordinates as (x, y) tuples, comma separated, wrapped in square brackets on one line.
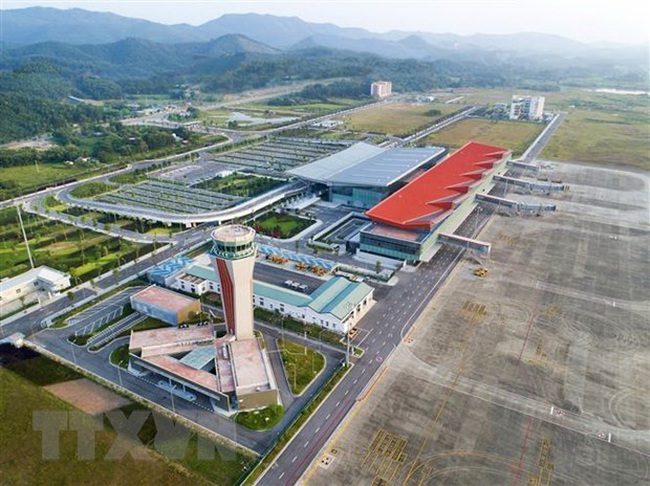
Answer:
[(243, 185), (263, 419), (280, 225), (83, 253), (301, 364)]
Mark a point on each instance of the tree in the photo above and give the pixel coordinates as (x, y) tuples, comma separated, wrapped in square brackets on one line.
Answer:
[(71, 295), (378, 267)]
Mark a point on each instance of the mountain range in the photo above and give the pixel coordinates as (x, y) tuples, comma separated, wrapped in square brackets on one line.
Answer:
[(33, 25)]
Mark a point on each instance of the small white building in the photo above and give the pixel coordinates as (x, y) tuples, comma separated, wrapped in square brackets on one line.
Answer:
[(337, 305), (37, 279), (527, 107), (381, 89)]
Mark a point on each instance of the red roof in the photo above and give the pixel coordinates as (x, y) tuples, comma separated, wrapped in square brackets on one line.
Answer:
[(431, 196)]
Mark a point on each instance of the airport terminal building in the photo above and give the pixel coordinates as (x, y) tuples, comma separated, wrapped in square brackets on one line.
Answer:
[(364, 174), (406, 225)]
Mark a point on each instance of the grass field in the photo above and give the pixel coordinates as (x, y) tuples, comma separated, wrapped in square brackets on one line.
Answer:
[(396, 118), (281, 225), (601, 128), (301, 364), (81, 252), (21, 460), (29, 177), (513, 135)]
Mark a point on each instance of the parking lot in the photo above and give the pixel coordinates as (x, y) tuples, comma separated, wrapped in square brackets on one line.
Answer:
[(101, 313), (533, 375)]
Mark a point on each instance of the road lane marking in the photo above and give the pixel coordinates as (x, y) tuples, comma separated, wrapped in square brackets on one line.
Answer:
[(294, 459), (306, 444), (328, 416), (280, 476)]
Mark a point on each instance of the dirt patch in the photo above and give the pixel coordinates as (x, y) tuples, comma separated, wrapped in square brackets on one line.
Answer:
[(87, 396)]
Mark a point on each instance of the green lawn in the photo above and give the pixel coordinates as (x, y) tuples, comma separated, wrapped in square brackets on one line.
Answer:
[(516, 136), (263, 419), (281, 225), (301, 364), (396, 118), (120, 356), (21, 450), (92, 189)]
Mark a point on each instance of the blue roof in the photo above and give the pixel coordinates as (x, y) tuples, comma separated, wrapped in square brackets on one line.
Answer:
[(338, 296), (199, 357), (281, 294), (170, 266)]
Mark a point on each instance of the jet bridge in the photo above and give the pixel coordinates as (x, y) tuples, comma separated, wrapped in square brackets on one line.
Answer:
[(517, 164), (511, 204), (500, 201), (532, 185), (466, 243)]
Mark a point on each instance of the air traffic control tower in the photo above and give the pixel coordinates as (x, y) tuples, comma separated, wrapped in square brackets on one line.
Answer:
[(233, 257)]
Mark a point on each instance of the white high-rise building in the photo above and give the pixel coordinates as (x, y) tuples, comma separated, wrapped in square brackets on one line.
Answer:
[(527, 107), (233, 257), (381, 89)]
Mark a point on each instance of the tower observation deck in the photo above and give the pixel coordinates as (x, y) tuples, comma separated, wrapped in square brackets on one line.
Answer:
[(233, 258)]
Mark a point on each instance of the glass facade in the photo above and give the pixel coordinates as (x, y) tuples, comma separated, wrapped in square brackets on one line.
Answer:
[(393, 248), (359, 197)]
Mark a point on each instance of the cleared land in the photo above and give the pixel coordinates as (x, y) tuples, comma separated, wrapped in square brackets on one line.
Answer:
[(520, 378), (514, 135), (396, 118), (87, 396)]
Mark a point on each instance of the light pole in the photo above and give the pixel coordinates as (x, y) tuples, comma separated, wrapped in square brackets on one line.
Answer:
[(171, 394), (74, 356), (350, 307), (119, 373)]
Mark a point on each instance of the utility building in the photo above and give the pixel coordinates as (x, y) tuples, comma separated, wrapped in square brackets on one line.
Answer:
[(170, 307)]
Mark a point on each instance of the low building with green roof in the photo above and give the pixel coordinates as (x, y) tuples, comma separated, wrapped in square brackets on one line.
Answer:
[(336, 305)]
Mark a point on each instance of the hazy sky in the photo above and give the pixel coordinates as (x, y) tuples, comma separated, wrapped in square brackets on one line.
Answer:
[(586, 20)]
